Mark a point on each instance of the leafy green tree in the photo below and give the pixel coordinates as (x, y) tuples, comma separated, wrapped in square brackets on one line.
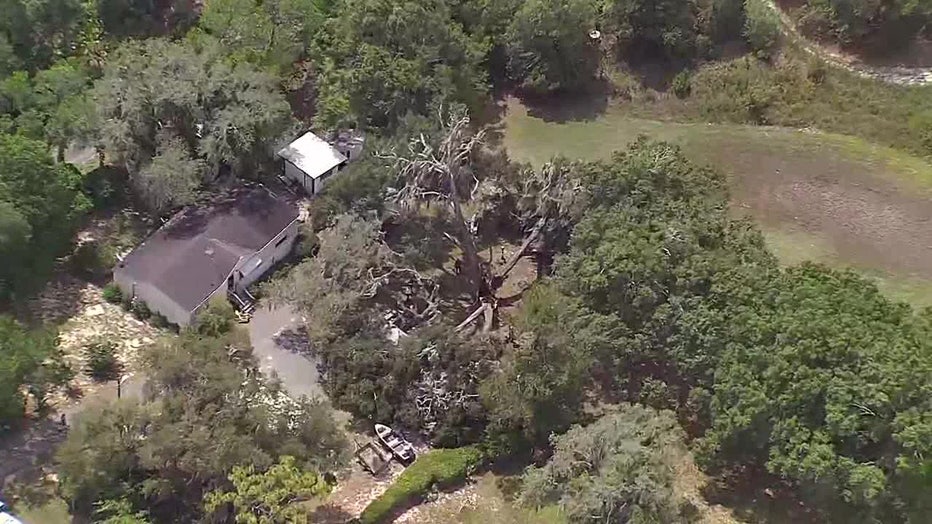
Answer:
[(31, 361), (856, 21), (50, 105), (9, 62), (333, 286), (119, 512), (549, 46), (161, 92), (99, 460), (268, 497), (617, 469), (761, 28), (825, 381), (378, 63), (543, 378), (268, 34), (43, 195), (171, 179), (652, 27), (140, 18), (41, 30), (207, 410)]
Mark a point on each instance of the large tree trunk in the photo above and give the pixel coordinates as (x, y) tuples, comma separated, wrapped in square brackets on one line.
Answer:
[(472, 263), (528, 241)]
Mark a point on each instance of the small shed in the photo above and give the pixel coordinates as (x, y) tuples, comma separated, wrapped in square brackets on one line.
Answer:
[(311, 162)]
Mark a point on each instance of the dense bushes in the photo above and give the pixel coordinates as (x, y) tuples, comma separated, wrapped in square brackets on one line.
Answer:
[(40, 203), (857, 21), (178, 439), (102, 362), (623, 465), (441, 468), (808, 372), (112, 293), (30, 361), (806, 93), (93, 259)]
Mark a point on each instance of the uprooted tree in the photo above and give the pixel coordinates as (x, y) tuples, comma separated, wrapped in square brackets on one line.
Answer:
[(484, 196)]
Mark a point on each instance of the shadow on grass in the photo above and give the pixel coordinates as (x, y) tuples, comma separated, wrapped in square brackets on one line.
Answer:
[(584, 105)]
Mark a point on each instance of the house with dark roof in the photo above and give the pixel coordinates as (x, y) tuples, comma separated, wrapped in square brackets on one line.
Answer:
[(211, 250)]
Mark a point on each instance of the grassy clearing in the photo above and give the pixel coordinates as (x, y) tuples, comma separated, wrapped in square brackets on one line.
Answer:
[(534, 139), (818, 196), (794, 247)]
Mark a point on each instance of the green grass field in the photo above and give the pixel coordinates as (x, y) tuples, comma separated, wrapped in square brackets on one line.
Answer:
[(817, 196)]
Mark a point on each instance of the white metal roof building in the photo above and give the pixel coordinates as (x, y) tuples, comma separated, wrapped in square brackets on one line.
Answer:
[(310, 161)]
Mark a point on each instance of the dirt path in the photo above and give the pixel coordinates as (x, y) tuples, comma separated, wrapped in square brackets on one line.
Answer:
[(892, 75)]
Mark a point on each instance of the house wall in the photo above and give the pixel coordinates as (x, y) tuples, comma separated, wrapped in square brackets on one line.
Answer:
[(156, 301), (322, 180), (221, 291), (291, 171), (255, 266), (311, 185)]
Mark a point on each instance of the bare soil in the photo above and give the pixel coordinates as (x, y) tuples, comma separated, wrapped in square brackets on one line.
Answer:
[(871, 223)]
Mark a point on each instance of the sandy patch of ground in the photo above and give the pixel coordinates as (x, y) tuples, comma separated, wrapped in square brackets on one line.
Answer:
[(86, 317)]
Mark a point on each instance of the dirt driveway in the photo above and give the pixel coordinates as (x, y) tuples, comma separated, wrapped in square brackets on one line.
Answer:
[(281, 347)]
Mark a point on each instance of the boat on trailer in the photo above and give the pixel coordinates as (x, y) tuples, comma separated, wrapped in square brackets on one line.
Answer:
[(400, 448)]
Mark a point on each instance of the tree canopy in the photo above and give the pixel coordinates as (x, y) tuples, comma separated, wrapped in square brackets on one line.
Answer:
[(620, 468), (39, 203), (207, 411), (379, 62), (30, 361), (166, 108)]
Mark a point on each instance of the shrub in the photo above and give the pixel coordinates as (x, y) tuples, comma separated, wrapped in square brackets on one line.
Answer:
[(126, 302), (93, 259), (761, 28), (217, 319), (921, 124), (102, 362), (682, 84), (102, 185), (141, 310), (112, 293), (816, 22), (739, 91), (158, 320), (442, 468)]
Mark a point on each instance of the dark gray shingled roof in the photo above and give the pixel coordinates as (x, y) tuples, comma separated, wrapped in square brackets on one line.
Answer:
[(195, 251)]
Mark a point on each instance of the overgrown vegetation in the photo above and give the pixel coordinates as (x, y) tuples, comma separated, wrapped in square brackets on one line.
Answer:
[(207, 411), (807, 93), (32, 363), (603, 310), (888, 23)]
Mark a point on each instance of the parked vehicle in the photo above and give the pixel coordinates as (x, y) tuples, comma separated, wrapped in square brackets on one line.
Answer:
[(400, 448)]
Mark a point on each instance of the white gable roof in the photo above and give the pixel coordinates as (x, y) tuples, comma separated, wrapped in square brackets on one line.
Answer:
[(312, 154)]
